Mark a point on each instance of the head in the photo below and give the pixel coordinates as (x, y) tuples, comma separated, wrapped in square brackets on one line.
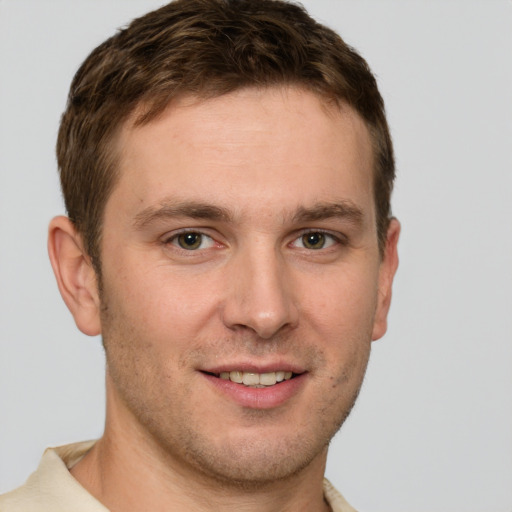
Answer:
[(227, 169), (205, 48)]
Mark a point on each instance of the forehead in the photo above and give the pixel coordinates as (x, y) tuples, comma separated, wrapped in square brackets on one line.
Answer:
[(274, 146)]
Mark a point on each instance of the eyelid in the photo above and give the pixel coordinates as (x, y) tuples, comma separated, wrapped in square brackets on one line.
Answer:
[(337, 237), (171, 237), (168, 238)]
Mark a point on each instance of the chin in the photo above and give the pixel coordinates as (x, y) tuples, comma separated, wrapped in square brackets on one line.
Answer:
[(257, 459), (254, 467)]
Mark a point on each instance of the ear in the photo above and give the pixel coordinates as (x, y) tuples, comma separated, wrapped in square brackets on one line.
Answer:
[(387, 270), (75, 275)]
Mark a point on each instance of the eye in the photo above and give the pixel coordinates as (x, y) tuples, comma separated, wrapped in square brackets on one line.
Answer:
[(315, 240), (191, 241)]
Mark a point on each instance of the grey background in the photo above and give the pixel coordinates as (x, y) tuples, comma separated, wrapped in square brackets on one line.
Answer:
[(432, 430)]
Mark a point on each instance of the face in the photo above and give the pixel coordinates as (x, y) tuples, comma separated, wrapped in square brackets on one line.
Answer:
[(242, 281)]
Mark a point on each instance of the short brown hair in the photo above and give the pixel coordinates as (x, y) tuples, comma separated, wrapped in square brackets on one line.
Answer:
[(206, 48)]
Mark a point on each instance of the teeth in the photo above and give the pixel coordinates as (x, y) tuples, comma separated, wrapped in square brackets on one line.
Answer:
[(257, 380), (251, 379), (236, 377), (268, 379)]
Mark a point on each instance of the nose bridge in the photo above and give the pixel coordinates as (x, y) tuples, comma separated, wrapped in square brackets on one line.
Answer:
[(261, 294)]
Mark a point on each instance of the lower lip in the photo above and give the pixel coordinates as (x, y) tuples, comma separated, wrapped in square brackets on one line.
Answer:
[(258, 398)]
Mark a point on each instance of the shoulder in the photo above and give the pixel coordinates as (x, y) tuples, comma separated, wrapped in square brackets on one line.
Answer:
[(51, 488), (337, 502)]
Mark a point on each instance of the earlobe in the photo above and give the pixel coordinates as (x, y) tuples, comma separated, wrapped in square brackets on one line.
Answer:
[(387, 271), (75, 275)]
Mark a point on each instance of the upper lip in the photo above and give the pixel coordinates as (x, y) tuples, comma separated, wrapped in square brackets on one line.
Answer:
[(244, 366)]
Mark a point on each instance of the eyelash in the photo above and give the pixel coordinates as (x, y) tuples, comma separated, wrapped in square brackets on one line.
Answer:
[(175, 236), (336, 239)]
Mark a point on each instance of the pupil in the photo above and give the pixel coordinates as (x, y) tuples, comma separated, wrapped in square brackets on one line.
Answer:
[(190, 240), (314, 240)]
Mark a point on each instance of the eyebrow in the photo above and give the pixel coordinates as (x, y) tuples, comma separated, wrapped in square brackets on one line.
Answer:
[(322, 211), (197, 210), (190, 209)]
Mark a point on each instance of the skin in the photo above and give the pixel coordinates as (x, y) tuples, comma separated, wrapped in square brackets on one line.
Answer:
[(250, 175)]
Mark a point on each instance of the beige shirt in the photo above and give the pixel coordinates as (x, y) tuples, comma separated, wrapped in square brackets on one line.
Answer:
[(51, 488)]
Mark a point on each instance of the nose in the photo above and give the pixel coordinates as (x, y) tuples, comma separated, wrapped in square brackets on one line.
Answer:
[(260, 294)]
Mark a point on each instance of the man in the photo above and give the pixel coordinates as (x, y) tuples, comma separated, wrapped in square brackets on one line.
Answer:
[(227, 171)]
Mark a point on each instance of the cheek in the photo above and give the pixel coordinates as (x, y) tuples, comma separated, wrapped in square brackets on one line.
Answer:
[(344, 302), (167, 303), (341, 319)]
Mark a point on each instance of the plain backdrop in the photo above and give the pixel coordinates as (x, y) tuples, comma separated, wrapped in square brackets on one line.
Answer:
[(432, 430)]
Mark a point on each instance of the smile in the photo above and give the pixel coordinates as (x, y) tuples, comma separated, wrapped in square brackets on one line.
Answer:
[(263, 389), (256, 380)]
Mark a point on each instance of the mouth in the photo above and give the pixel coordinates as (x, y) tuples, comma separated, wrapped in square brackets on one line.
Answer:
[(253, 379), (268, 386)]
